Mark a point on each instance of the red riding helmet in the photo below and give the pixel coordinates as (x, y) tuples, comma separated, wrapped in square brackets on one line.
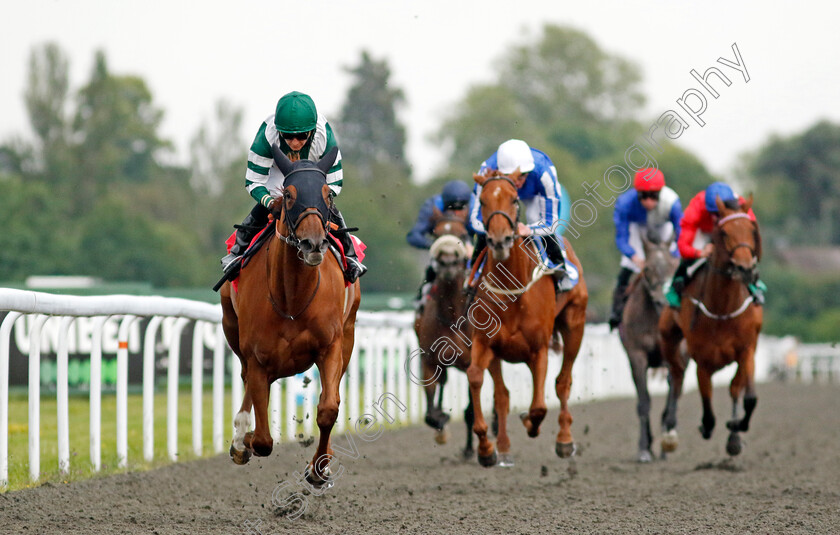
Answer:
[(649, 179)]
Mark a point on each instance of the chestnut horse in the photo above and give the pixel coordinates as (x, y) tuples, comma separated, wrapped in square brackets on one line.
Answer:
[(720, 323), (444, 305), (516, 323), (292, 310), (639, 331)]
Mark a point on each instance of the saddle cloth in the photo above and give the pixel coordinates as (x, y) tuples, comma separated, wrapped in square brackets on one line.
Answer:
[(262, 236)]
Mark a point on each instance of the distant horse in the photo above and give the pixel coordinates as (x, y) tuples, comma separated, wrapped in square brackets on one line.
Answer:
[(639, 331), (444, 305), (292, 310), (516, 323), (720, 323)]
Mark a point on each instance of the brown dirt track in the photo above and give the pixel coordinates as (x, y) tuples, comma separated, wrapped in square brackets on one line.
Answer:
[(787, 480)]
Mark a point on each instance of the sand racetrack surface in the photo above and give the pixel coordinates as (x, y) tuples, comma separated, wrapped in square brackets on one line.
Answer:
[(787, 480)]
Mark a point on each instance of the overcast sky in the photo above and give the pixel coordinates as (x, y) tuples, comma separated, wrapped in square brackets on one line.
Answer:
[(192, 54)]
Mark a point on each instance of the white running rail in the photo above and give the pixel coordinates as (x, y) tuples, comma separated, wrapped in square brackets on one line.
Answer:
[(384, 366)]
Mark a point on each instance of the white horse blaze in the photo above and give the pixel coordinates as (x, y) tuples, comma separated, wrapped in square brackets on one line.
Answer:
[(240, 427)]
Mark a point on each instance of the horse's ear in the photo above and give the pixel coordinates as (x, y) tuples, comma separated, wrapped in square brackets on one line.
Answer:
[(436, 213), (283, 163), (748, 204), (328, 160), (719, 203), (480, 179)]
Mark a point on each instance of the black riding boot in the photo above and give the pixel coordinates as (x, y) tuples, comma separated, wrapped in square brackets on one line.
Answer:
[(619, 296), (253, 223), (555, 255), (355, 269), (427, 280)]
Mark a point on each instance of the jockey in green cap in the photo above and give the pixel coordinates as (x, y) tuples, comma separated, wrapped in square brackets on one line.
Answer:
[(301, 133)]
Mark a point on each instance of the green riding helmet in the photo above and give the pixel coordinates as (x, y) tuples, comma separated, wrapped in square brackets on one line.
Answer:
[(295, 113)]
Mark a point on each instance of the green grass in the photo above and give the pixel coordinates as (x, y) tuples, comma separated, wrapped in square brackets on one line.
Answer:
[(79, 413)]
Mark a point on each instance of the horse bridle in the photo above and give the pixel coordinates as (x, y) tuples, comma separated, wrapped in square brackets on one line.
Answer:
[(506, 215), (731, 267), (291, 225)]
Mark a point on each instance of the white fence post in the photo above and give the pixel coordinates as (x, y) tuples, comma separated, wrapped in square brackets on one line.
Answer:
[(149, 388), (172, 378), (5, 333), (62, 396)]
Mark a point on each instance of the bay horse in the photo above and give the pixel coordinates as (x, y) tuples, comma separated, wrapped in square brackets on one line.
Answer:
[(292, 310), (443, 306), (516, 324), (639, 332), (720, 323)]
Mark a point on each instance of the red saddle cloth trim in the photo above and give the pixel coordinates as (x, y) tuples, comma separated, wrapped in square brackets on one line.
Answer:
[(358, 245), (230, 243)]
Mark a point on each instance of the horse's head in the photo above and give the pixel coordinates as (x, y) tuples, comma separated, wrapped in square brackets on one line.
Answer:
[(449, 257), (450, 222), (660, 264), (737, 241), (500, 211), (305, 208)]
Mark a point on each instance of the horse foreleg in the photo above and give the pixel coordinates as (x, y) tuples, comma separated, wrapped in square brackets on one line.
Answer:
[(670, 338), (536, 412), (239, 452), (501, 404), (704, 384), (257, 385), (638, 368), (481, 357), (330, 369), (469, 420), (571, 328), (742, 382), (431, 377)]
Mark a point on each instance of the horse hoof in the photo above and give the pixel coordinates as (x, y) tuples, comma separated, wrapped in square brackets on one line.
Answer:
[(506, 460), (566, 450), (705, 433), (442, 436), (733, 444), (670, 441), (318, 482), (645, 456), (489, 460), (240, 457), (467, 453)]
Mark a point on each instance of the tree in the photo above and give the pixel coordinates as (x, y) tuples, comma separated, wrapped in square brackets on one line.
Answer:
[(562, 92), (216, 147), (370, 132), (799, 179), (46, 94), (115, 128)]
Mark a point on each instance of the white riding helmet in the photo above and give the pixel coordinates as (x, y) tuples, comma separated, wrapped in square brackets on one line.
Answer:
[(514, 153)]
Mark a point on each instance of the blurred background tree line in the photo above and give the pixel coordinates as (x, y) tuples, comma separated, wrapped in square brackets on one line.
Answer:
[(96, 192)]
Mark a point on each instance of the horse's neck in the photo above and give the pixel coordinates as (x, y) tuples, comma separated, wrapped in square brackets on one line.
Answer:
[(720, 292), (289, 276), (451, 296), (518, 263)]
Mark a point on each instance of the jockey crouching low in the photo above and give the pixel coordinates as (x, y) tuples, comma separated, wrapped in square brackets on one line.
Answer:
[(650, 207), (535, 178), (301, 133), (455, 196), (694, 243)]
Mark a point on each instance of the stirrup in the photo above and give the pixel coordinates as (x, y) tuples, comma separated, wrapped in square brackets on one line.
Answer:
[(228, 260)]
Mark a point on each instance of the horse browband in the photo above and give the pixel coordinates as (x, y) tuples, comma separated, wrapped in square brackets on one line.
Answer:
[(500, 212)]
